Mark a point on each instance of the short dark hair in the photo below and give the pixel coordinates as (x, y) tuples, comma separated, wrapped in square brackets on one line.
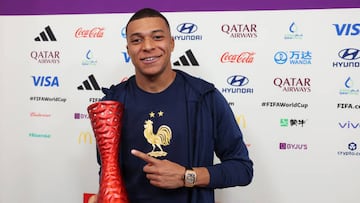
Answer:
[(145, 13)]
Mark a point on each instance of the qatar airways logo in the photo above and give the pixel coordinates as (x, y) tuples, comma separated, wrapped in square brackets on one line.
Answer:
[(293, 84), (243, 57), (240, 30), (46, 57), (96, 32)]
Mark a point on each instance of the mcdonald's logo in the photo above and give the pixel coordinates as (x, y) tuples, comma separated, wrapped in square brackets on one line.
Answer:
[(241, 121), (84, 137)]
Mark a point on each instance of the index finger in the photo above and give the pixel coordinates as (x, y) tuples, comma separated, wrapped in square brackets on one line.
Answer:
[(143, 156)]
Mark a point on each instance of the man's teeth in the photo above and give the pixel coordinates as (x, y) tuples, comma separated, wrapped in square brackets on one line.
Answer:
[(149, 59)]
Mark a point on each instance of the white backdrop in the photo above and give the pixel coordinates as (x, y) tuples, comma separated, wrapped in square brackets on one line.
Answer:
[(302, 132)]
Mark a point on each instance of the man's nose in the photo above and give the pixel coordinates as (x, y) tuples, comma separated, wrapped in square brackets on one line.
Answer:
[(148, 44)]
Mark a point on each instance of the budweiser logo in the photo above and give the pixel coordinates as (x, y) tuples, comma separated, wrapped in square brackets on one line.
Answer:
[(96, 32), (34, 114), (244, 57)]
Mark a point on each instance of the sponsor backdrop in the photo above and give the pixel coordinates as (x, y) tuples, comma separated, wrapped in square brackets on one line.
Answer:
[(290, 73)]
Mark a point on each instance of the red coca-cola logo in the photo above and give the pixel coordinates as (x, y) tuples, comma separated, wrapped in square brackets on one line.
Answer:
[(96, 32), (244, 57)]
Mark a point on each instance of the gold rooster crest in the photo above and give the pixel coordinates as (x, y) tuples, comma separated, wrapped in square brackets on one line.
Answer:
[(162, 137)]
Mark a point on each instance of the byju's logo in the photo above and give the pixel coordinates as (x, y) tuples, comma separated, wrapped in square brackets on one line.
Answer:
[(89, 84), (81, 116), (289, 146), (347, 29), (187, 60), (46, 35), (187, 30), (45, 81), (237, 82), (293, 57)]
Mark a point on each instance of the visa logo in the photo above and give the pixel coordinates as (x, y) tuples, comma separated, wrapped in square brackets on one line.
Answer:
[(45, 81), (126, 57), (347, 29)]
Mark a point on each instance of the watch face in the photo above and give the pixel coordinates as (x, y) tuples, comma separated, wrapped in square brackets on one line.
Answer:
[(190, 177)]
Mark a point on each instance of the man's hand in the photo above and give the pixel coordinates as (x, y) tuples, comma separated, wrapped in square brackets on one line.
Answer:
[(162, 173)]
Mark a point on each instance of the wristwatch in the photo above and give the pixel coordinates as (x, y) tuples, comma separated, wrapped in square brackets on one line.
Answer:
[(190, 177)]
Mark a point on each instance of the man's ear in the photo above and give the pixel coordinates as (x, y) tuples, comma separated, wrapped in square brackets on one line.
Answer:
[(173, 43)]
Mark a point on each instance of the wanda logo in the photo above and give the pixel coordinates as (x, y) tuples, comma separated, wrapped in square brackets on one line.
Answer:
[(96, 32)]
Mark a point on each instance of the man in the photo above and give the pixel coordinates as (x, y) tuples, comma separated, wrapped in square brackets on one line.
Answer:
[(172, 124)]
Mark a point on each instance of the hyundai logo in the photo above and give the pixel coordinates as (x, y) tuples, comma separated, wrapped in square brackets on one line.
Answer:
[(237, 80), (187, 28), (349, 54)]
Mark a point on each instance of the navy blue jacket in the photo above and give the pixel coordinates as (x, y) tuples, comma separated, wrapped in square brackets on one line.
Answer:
[(213, 128)]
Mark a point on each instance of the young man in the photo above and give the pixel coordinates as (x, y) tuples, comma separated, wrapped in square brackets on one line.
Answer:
[(172, 124)]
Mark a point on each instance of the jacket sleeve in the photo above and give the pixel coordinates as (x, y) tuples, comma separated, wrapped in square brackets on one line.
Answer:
[(235, 167)]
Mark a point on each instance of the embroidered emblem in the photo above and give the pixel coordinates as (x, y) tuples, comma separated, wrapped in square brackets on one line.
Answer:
[(161, 138)]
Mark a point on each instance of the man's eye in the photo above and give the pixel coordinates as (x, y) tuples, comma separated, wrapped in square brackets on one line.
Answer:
[(158, 37), (135, 41)]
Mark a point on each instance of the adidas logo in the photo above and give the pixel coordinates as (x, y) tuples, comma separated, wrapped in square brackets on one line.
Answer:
[(89, 84), (187, 60), (46, 35)]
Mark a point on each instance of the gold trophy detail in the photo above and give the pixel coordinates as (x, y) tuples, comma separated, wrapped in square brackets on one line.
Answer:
[(106, 121)]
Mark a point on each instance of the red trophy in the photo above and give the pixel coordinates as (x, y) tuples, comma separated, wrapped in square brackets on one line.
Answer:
[(106, 118)]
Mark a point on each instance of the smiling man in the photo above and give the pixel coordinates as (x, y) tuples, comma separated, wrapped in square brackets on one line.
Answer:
[(172, 124)]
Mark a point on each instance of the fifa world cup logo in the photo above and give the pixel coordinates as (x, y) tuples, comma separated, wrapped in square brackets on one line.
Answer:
[(106, 121)]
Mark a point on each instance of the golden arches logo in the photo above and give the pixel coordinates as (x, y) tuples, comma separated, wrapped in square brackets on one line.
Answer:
[(241, 121), (85, 136)]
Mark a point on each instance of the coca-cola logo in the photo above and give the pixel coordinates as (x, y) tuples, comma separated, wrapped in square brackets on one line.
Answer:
[(96, 32), (244, 57)]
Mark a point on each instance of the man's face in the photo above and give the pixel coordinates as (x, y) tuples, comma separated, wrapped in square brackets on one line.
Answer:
[(149, 44)]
